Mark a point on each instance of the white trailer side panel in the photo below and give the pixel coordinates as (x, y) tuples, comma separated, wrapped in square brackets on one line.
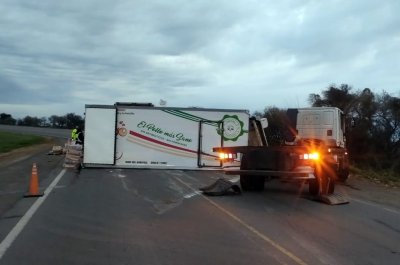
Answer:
[(99, 147), (170, 137)]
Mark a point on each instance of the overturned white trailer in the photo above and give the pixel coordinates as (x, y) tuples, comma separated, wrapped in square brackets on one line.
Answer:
[(144, 136)]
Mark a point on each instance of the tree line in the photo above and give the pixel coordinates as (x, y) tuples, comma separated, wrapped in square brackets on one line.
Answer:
[(372, 124), (67, 121)]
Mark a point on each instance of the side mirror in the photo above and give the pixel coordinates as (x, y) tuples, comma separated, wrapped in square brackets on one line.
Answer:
[(264, 123)]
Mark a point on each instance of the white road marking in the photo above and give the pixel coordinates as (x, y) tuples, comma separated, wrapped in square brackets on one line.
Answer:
[(7, 242), (190, 195), (124, 184)]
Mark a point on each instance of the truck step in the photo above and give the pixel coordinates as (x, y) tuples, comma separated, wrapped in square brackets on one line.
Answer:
[(221, 187)]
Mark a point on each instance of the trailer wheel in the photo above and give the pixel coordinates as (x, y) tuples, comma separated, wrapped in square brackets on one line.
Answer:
[(250, 182)]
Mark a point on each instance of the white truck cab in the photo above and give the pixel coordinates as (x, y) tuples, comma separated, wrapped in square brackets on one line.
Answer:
[(319, 123)]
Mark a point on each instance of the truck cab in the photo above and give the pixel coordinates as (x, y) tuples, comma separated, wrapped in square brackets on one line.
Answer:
[(322, 123), (325, 127), (314, 151)]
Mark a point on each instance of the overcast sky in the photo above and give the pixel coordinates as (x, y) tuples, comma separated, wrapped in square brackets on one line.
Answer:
[(57, 56)]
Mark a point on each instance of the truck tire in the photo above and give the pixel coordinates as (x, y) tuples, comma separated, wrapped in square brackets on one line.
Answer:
[(245, 179), (250, 182), (313, 187), (343, 175), (343, 172)]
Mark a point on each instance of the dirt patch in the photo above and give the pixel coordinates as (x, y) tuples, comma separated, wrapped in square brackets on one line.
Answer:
[(21, 153)]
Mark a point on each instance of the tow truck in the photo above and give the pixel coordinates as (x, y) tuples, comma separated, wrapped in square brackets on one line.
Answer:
[(315, 154)]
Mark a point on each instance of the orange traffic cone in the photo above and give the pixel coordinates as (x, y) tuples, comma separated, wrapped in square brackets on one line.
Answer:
[(34, 184)]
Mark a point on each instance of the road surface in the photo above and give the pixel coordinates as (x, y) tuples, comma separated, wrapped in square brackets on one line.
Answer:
[(115, 216)]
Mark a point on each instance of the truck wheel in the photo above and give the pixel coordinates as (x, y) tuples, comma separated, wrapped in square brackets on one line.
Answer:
[(250, 182), (258, 183), (343, 168), (313, 187), (343, 173), (245, 182)]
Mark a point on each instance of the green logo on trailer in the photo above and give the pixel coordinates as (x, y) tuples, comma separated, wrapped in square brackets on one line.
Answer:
[(233, 128)]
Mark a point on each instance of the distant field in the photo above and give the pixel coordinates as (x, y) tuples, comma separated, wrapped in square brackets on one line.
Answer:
[(11, 141)]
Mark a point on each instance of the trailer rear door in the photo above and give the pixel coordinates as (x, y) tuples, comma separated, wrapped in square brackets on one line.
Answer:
[(100, 124), (209, 138)]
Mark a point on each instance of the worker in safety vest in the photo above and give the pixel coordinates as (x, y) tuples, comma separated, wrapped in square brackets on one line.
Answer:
[(79, 137), (74, 134)]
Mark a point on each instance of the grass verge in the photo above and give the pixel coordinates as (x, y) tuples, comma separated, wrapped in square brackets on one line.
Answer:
[(384, 176), (11, 141)]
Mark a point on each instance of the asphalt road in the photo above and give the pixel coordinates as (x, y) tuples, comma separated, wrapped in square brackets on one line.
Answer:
[(115, 216), (128, 216)]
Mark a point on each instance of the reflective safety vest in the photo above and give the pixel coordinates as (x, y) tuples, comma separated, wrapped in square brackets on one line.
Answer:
[(74, 134)]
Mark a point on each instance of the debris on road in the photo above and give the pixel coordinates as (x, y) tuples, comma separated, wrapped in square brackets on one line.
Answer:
[(73, 156), (333, 199), (56, 150), (222, 187), (330, 199)]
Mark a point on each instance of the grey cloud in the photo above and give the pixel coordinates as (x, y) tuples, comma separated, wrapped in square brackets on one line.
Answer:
[(11, 92), (98, 51)]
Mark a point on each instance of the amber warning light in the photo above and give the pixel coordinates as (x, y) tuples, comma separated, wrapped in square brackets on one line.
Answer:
[(227, 156), (310, 156)]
